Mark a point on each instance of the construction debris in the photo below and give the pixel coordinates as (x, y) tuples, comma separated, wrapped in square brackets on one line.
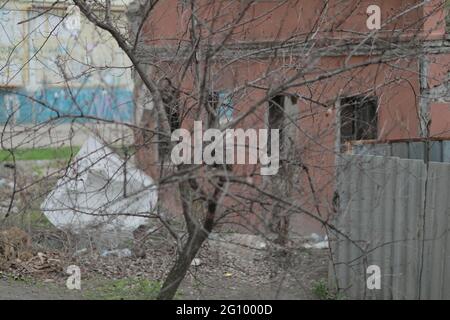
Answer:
[(14, 242), (196, 262), (119, 253), (101, 192), (317, 242), (242, 246)]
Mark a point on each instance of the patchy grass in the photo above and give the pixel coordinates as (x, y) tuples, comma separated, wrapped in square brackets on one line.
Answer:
[(123, 150), (39, 154), (124, 289), (19, 278), (31, 218), (37, 218), (321, 290), (62, 153)]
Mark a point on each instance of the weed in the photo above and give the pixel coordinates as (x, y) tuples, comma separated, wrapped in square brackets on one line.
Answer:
[(39, 153), (321, 290), (125, 289)]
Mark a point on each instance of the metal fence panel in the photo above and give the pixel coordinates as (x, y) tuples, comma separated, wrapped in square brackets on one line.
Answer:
[(393, 214), (438, 150)]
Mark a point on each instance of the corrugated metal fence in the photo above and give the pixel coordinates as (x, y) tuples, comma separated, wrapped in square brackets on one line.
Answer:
[(393, 214), (436, 150)]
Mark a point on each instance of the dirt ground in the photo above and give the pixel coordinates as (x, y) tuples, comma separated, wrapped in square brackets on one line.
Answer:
[(67, 134), (17, 290), (296, 281), (222, 271), (219, 275)]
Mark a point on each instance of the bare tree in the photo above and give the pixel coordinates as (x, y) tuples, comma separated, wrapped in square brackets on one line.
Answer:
[(313, 71)]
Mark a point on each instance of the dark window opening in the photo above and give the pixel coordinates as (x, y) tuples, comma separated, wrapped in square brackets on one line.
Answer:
[(276, 116), (359, 118), (170, 99)]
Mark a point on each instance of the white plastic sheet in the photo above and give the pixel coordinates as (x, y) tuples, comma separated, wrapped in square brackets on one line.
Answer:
[(98, 193)]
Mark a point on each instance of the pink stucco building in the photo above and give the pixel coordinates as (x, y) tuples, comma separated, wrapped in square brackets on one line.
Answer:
[(344, 81)]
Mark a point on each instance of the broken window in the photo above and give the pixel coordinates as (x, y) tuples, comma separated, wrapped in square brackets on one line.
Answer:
[(359, 118), (170, 97), (275, 118), (276, 112), (281, 116), (221, 103), (225, 112)]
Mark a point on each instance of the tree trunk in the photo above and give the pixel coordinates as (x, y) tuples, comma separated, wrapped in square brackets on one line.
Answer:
[(197, 235), (181, 266)]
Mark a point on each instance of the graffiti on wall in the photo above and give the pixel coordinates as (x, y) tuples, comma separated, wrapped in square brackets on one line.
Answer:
[(22, 107), (41, 59)]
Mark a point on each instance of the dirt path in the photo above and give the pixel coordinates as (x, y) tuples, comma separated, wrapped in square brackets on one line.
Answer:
[(16, 290), (294, 281), (223, 271)]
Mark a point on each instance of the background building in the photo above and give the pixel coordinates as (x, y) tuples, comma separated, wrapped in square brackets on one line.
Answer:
[(358, 84), (56, 70)]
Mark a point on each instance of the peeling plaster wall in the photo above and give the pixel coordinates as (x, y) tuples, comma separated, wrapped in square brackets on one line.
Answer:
[(403, 101), (435, 95)]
